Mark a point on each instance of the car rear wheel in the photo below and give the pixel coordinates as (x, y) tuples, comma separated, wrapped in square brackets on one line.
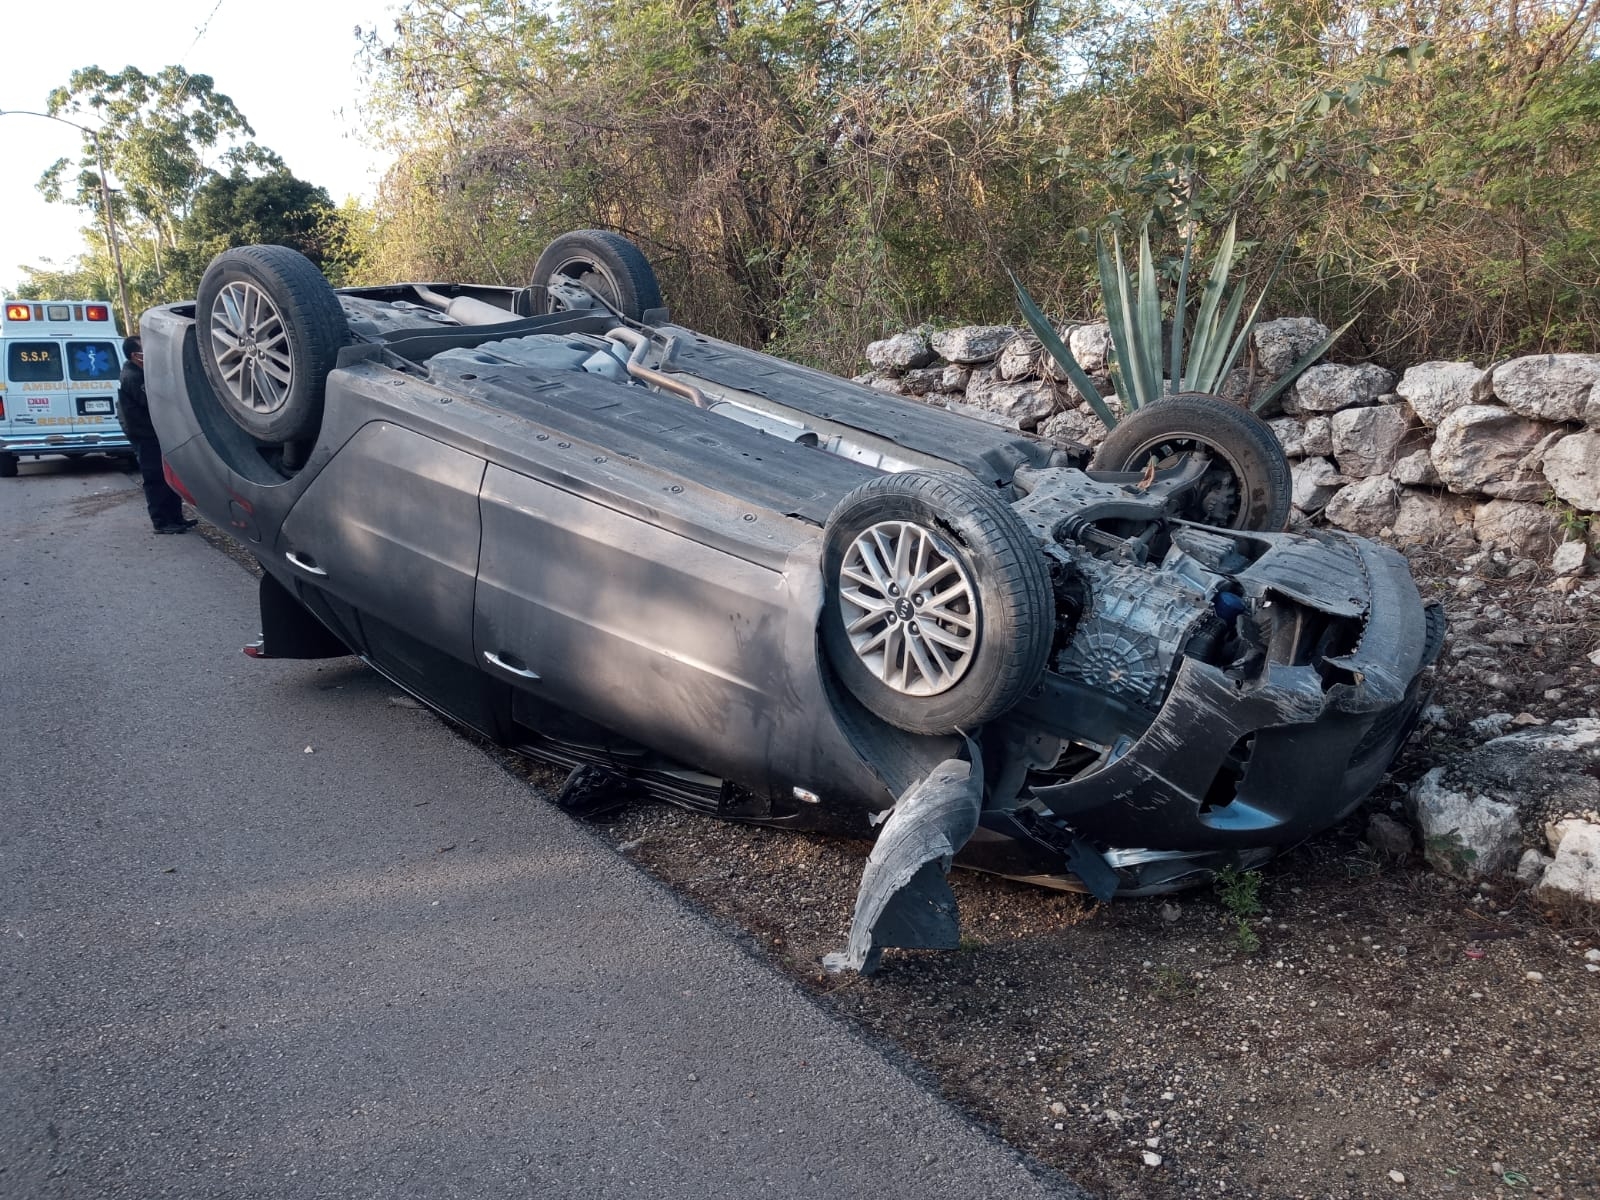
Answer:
[(270, 330), (606, 263), (939, 610), (1248, 484), (8, 466)]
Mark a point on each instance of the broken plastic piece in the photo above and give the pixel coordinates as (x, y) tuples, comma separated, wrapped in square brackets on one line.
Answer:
[(904, 899)]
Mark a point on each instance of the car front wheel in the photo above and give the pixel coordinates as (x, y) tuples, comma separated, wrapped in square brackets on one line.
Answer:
[(939, 609), (1246, 486)]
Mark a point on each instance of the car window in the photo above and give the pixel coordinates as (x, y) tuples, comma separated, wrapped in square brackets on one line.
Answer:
[(92, 361), (33, 362)]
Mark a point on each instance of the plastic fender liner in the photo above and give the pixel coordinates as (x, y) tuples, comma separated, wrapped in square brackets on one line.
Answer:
[(905, 899)]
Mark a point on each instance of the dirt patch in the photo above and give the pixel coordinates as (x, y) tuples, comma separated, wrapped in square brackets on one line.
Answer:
[(1374, 1029)]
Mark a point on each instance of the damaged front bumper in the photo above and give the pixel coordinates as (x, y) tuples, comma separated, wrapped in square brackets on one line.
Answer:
[(1229, 770), (1233, 764)]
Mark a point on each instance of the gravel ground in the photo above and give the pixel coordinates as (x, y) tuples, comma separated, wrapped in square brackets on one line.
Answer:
[(1375, 1029)]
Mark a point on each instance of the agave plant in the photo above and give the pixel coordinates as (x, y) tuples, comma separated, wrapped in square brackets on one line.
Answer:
[(1133, 311)]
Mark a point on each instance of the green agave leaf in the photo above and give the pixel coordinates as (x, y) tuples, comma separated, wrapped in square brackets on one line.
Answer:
[(1299, 367), (1057, 349), (1209, 373), (1179, 308), (1120, 316), (1149, 327), (1211, 295), (1250, 321)]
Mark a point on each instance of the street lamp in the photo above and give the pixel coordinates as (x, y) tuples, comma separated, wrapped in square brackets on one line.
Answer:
[(105, 204)]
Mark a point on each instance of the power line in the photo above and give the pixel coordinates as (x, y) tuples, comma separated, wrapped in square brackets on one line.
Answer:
[(201, 31)]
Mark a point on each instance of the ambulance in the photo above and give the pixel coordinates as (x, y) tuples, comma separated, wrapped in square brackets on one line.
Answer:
[(59, 363)]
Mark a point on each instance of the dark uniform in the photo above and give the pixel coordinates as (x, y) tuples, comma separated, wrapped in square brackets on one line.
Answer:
[(133, 413)]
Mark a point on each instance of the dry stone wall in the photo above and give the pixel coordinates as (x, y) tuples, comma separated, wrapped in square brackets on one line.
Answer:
[(1470, 459), (1497, 468)]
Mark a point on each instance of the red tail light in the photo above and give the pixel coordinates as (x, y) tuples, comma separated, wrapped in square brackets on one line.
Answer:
[(18, 312), (97, 312), (2, 408), (175, 483)]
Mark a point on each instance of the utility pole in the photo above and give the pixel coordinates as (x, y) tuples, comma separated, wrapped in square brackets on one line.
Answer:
[(105, 206)]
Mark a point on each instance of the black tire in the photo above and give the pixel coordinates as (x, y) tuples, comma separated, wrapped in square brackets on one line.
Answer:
[(974, 539), (606, 263), (269, 329), (8, 466), (1249, 486)]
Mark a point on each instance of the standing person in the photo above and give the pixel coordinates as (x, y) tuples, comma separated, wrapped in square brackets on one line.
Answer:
[(133, 413)]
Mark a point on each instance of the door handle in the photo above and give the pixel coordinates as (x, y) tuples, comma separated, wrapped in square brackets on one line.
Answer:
[(306, 564), (509, 664)]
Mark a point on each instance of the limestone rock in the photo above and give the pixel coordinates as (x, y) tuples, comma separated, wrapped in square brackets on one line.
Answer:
[(1572, 467), (1570, 558), (1367, 441), (900, 352), (1291, 435), (1416, 470), (957, 405), (1436, 389), (1482, 449), (1529, 530), (1388, 837), (1315, 481), (1303, 439), (1318, 437), (1433, 519), (887, 383), (1021, 358), (1019, 405), (1366, 507), (922, 380), (1530, 867), (954, 378), (1091, 346), (1464, 834), (972, 344), (1328, 387), (1282, 343), (1074, 425), (1548, 387), (1576, 869)]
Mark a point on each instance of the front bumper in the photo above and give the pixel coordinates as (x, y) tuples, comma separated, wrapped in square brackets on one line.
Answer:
[(63, 443), (1310, 750)]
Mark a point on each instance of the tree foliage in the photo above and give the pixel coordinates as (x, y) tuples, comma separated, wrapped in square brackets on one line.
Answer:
[(812, 172), (188, 183)]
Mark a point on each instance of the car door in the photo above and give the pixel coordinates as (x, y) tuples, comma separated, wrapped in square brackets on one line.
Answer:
[(94, 367), (655, 635), (387, 536), (37, 386)]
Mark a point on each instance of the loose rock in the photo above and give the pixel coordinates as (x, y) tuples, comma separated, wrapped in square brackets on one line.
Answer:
[(1548, 387), (1436, 389)]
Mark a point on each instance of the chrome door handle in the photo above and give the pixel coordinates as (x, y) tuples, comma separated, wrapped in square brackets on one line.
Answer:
[(509, 665), (305, 564)]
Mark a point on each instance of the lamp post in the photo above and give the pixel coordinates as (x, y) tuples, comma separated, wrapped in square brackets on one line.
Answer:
[(105, 204)]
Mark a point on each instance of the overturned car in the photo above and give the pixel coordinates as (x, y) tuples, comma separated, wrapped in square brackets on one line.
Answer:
[(772, 595)]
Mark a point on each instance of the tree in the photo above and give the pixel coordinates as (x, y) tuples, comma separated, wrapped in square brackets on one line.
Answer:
[(157, 133), (240, 210)]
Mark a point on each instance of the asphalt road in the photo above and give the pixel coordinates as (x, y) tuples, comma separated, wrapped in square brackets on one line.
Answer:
[(268, 932)]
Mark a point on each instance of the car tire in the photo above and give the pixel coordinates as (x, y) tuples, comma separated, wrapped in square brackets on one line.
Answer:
[(939, 611), (1249, 487), (8, 466), (270, 329), (606, 263)]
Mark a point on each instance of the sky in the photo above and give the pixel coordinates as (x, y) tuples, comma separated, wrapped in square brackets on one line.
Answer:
[(290, 66)]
